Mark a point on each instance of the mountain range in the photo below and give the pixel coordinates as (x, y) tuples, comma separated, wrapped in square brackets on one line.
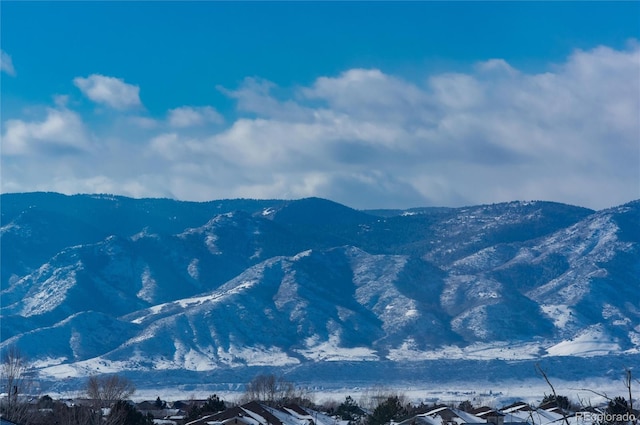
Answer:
[(100, 284)]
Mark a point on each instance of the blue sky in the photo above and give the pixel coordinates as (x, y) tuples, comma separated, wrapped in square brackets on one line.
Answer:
[(371, 104)]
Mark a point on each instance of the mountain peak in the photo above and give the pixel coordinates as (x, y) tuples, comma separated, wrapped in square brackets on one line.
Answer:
[(317, 212)]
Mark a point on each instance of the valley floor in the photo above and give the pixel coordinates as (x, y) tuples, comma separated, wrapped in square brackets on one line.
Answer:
[(480, 393)]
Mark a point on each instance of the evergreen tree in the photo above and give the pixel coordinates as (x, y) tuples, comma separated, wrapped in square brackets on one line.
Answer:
[(213, 404), (465, 406), (617, 409), (560, 400), (350, 411), (159, 403), (389, 409), (618, 406), (123, 413)]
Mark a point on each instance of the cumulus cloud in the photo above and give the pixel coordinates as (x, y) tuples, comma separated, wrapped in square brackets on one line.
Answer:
[(190, 116), (61, 131), (256, 96), (6, 64), (493, 134), (371, 139), (110, 91), (369, 94)]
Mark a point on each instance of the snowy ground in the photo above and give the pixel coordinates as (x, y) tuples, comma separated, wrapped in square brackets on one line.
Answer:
[(495, 383), (491, 394)]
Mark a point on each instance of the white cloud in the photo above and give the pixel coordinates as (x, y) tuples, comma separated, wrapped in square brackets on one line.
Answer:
[(457, 92), (491, 135), (61, 101), (255, 96), (166, 145), (143, 122), (110, 91), (189, 116), (372, 96), (6, 64), (61, 131), (370, 139)]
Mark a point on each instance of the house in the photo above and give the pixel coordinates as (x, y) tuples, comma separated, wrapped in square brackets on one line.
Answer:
[(299, 413), (419, 420), (294, 414), (490, 415), (518, 406), (551, 406), (254, 413), (158, 410), (520, 412), (146, 405), (183, 404), (251, 413), (444, 415)]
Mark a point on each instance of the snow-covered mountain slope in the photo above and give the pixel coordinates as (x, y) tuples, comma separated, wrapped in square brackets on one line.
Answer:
[(37, 226), (119, 275), (578, 277), (116, 284)]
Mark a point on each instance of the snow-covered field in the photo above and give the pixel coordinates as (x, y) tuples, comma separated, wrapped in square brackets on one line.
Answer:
[(492, 394), (483, 382)]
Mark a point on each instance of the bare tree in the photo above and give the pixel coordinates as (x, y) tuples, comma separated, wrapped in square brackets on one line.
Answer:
[(109, 391), (377, 394), (269, 389), (553, 390), (628, 383), (16, 384), (76, 415)]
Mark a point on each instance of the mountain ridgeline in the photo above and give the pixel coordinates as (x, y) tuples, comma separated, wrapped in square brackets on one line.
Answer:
[(95, 283)]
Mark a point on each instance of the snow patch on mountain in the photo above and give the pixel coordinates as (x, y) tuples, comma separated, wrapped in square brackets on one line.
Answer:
[(84, 368), (256, 356), (331, 350), (462, 292), (593, 341), (473, 321), (193, 270), (173, 307), (504, 350), (287, 297), (45, 362), (587, 246), (210, 241), (561, 314), (10, 227), (149, 286), (374, 277), (52, 291), (615, 315)]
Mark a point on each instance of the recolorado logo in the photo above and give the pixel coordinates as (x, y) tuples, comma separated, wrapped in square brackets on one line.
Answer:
[(605, 417)]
